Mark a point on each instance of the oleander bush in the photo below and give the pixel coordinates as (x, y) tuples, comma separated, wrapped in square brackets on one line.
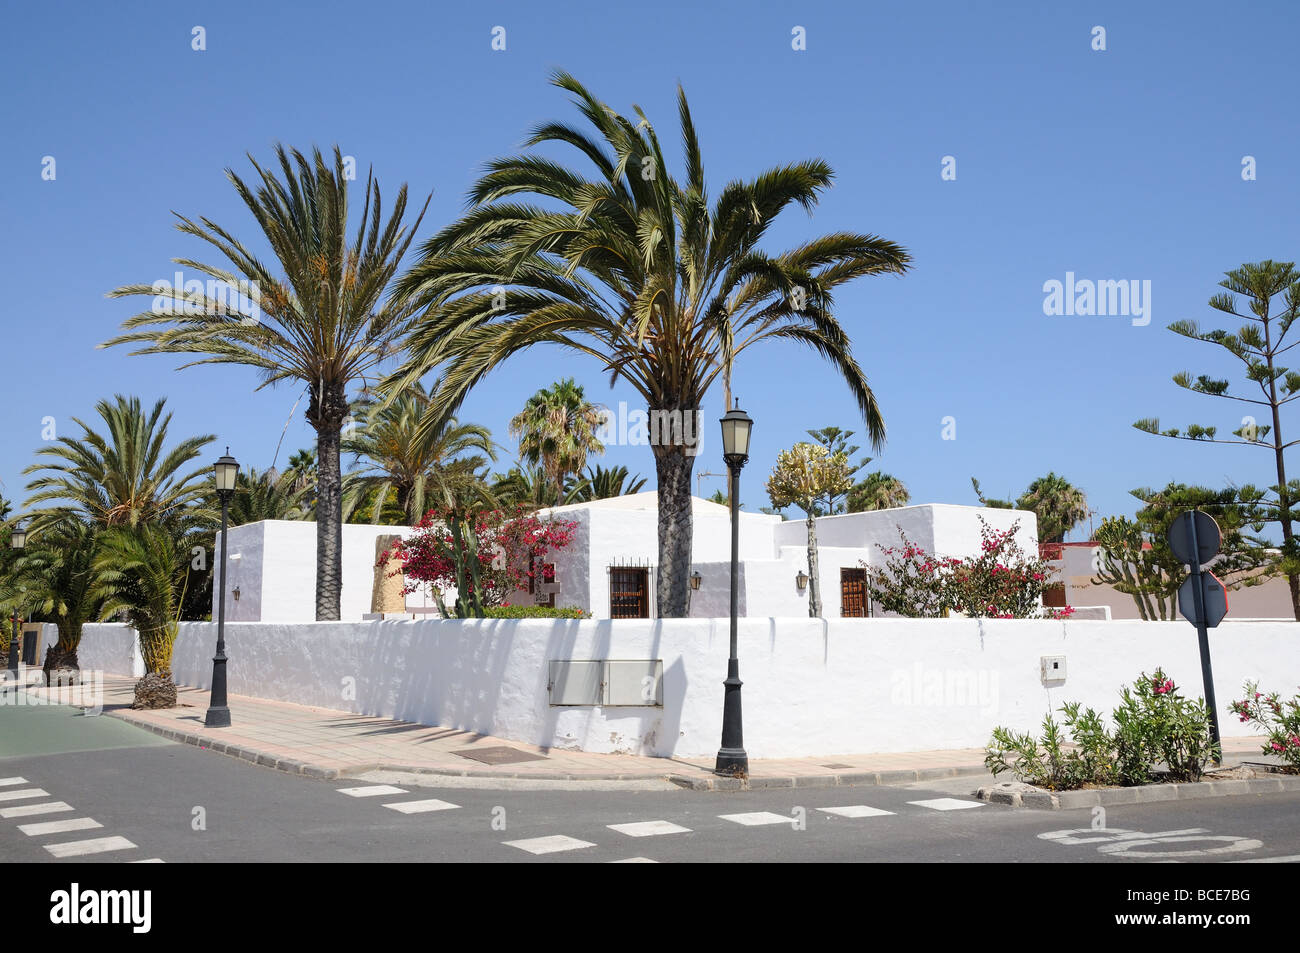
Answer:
[(1154, 725), (1279, 719)]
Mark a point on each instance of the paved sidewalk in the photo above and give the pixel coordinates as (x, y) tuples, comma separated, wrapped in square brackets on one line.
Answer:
[(326, 743)]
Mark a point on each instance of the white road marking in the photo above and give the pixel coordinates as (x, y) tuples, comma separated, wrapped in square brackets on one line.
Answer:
[(1289, 859), (59, 827), (96, 845), (10, 782), (24, 793), (151, 860), (27, 810), (421, 807), (947, 804), (855, 810), (549, 845), (757, 818), (1231, 845), (372, 790), (635, 860), (649, 828)]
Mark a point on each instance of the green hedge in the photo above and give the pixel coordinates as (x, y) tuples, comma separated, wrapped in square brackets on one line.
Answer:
[(535, 612)]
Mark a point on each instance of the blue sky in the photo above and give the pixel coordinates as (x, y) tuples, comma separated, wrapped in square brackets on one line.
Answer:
[(1123, 164)]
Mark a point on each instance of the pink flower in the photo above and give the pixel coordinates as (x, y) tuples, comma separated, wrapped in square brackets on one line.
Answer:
[(1165, 687)]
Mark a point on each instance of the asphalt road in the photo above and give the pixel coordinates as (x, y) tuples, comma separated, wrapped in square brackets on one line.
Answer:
[(175, 803)]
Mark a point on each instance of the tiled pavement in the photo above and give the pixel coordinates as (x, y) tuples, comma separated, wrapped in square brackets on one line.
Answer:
[(331, 744)]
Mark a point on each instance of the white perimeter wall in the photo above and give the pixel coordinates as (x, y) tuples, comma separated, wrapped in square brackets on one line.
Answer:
[(273, 563), (811, 687)]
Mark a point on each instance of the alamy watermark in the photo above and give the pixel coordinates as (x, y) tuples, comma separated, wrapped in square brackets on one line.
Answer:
[(198, 297), (1106, 297), (29, 689), (635, 427), (931, 687)]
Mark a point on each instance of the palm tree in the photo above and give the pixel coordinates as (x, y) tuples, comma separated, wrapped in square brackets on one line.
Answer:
[(302, 467), (264, 495), (556, 431), (663, 286), (1058, 504), (601, 484), (125, 476), (57, 577), (145, 571), (878, 491), (531, 488), (325, 322), (416, 467)]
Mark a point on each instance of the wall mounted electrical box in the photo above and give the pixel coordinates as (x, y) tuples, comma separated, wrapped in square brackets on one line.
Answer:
[(1052, 668)]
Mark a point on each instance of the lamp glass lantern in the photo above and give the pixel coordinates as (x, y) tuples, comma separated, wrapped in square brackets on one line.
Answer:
[(226, 470), (801, 580), (696, 578), (736, 426), (18, 538)]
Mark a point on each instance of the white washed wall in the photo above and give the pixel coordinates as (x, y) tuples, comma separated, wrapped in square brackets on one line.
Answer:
[(110, 647), (812, 687)]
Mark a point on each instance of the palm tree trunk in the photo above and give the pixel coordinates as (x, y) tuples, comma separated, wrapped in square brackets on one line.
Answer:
[(672, 583), (814, 587), (329, 408)]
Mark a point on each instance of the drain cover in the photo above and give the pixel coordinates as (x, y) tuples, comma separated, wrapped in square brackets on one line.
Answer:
[(499, 755), (837, 767)]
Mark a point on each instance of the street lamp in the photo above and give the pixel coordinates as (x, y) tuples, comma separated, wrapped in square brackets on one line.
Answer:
[(226, 471), (801, 580), (732, 759), (17, 540)]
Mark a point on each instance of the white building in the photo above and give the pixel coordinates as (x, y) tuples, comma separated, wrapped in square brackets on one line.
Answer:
[(609, 567), (1079, 564)]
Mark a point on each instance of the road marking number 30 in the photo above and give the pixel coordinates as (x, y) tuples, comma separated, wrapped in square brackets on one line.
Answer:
[(1118, 842)]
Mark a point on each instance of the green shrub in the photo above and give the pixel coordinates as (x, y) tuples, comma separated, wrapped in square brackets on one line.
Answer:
[(1166, 726), (1153, 724), (535, 612), (1045, 762), (1280, 719)]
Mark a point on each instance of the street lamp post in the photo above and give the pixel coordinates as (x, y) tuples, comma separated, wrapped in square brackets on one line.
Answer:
[(17, 540), (732, 758), (226, 471)]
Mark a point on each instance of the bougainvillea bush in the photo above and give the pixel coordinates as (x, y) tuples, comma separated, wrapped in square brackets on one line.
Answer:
[(1279, 719), (1002, 582), (503, 546)]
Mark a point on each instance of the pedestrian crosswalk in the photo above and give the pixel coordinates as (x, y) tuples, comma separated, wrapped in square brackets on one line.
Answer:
[(95, 845), (658, 827), (756, 819), (947, 804), (649, 828), (422, 807), (854, 811), (549, 845), (59, 827), (13, 792)]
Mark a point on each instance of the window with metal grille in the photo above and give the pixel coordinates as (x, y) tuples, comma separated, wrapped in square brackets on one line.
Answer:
[(629, 592), (854, 601)]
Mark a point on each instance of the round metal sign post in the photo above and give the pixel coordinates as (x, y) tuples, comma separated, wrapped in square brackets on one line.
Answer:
[(1194, 538)]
